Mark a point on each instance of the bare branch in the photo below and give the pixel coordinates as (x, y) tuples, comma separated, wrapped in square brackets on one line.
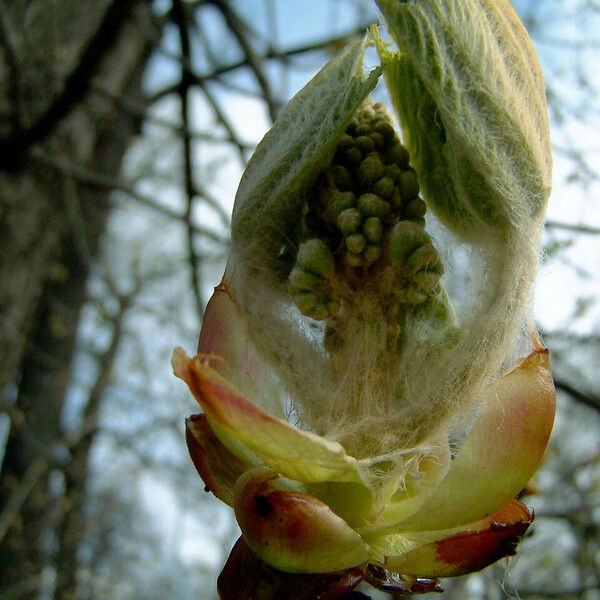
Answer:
[(48, 456), (574, 228), (102, 181), (34, 471), (181, 20), (239, 29), (75, 84), (141, 110), (224, 120), (590, 400), (271, 54)]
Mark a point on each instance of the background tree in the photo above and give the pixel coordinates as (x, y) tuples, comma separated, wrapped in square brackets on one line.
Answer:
[(52, 54), (124, 128)]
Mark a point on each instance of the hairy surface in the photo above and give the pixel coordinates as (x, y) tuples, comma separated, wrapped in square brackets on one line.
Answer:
[(339, 282)]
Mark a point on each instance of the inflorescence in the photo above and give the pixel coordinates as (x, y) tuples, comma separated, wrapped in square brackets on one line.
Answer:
[(363, 228)]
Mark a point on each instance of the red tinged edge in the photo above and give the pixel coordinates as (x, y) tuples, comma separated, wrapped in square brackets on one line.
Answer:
[(217, 466), (473, 549), (214, 393)]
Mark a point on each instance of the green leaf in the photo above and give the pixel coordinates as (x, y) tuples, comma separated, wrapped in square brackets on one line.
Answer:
[(288, 159), (470, 97)]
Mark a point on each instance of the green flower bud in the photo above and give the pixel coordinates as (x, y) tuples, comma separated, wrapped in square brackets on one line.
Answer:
[(353, 156), (386, 129), (353, 260), (341, 177), (424, 257), (378, 139), (394, 172), (349, 220), (426, 281), (319, 312), (405, 237), (338, 202), (362, 130), (399, 156), (315, 257), (371, 205), (409, 186), (301, 280), (415, 209), (306, 302), (365, 143), (373, 229), (371, 253), (346, 141), (355, 242), (369, 171), (384, 187)]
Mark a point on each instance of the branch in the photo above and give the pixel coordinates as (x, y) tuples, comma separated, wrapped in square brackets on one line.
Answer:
[(271, 54), (107, 182), (49, 456), (239, 28), (186, 82), (140, 110), (222, 118), (75, 85), (34, 471), (590, 400), (574, 228)]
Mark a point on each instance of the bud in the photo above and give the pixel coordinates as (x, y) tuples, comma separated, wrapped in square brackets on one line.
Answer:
[(349, 375), (314, 257)]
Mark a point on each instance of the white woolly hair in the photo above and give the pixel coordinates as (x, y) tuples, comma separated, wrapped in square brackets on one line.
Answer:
[(377, 401), (376, 405)]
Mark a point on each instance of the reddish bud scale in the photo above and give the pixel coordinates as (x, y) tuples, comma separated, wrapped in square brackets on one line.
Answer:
[(246, 577)]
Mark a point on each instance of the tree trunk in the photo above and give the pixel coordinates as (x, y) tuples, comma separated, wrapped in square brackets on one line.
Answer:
[(53, 55)]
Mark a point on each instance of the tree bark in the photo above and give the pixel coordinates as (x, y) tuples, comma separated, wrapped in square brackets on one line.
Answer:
[(52, 55)]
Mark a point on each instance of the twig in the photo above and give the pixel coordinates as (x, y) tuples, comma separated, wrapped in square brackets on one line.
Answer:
[(47, 456), (573, 227), (75, 85), (224, 120), (186, 82), (34, 471), (588, 399), (271, 54), (102, 181), (239, 28), (140, 110)]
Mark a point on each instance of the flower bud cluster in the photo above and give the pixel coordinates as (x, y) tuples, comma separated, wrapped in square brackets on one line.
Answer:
[(363, 215)]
